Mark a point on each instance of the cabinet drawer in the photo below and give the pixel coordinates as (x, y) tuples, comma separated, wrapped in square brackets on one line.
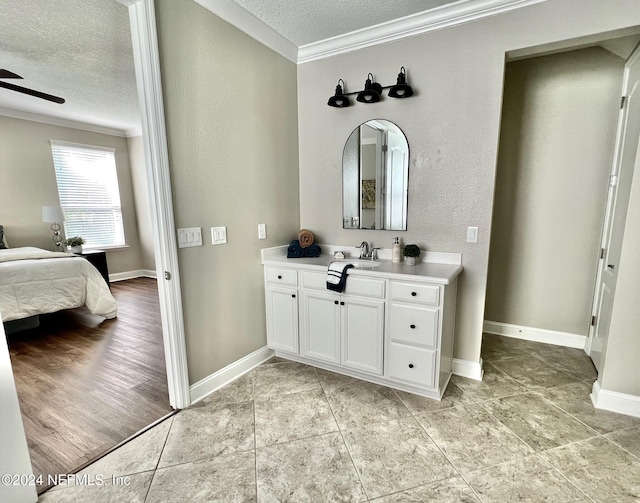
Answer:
[(278, 276), (413, 325), (428, 295), (413, 365), (361, 287)]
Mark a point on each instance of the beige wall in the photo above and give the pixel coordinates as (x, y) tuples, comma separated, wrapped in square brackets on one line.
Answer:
[(559, 121), (232, 132), (452, 125), (28, 182), (141, 198)]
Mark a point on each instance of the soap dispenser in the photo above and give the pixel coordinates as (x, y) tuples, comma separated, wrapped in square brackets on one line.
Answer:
[(396, 251)]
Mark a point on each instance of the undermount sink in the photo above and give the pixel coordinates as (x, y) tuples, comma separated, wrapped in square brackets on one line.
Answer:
[(362, 264)]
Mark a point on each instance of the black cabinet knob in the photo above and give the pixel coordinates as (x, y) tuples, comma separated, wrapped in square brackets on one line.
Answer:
[(411, 365), (293, 295), (336, 302), (412, 326), (342, 303), (279, 277), (413, 294)]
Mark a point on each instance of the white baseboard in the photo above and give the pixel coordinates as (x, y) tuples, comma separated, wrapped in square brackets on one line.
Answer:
[(614, 401), (215, 381), (535, 334), (138, 273), (466, 368)]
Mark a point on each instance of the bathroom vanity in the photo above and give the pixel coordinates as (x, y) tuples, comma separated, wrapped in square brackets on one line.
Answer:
[(392, 325)]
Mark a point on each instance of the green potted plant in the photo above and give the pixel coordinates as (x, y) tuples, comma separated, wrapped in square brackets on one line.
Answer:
[(74, 244), (411, 252)]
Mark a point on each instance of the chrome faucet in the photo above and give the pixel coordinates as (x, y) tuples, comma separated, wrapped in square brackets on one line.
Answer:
[(364, 250)]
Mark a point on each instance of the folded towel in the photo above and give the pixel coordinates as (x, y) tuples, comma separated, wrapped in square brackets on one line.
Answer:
[(305, 238), (337, 276), (295, 250), (312, 251)]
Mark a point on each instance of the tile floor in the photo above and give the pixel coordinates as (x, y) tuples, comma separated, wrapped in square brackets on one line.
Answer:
[(287, 432)]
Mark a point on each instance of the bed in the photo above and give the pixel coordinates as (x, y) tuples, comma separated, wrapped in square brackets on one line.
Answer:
[(35, 281)]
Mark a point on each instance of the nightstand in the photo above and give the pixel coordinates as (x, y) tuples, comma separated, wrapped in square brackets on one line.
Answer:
[(99, 260)]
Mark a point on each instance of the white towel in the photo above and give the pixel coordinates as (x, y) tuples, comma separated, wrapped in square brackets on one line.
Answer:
[(337, 275)]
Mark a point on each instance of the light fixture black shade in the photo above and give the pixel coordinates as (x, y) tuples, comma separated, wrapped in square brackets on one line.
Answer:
[(339, 100), (371, 93), (401, 89)]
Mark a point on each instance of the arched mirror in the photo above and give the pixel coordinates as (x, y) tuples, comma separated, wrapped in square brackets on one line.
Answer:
[(375, 177)]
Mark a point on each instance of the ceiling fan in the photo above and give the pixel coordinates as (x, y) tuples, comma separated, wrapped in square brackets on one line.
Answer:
[(6, 74)]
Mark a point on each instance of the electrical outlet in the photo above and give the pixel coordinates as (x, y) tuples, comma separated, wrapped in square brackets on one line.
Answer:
[(472, 234), (262, 231), (218, 235)]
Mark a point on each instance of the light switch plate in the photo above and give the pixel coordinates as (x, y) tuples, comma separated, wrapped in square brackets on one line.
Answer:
[(262, 231), (218, 235), (189, 236), (472, 234)]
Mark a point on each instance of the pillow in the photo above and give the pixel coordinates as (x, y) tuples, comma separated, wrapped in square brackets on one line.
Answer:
[(3, 240)]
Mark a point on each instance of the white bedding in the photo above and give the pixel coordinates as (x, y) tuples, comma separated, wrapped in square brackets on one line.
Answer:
[(35, 281)]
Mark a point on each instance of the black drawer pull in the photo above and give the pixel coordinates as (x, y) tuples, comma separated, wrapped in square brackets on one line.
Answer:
[(342, 303), (336, 302), (293, 295), (411, 365), (412, 326), (279, 277), (413, 294)]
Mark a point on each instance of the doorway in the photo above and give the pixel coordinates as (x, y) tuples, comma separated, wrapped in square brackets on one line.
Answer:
[(557, 140)]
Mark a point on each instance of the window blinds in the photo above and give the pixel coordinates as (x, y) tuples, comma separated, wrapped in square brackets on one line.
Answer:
[(89, 193)]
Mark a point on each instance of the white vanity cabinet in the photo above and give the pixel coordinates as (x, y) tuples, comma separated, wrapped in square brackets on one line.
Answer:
[(393, 324), (281, 292), (345, 329), (420, 328)]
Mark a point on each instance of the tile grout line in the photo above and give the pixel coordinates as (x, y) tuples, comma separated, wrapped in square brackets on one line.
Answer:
[(557, 470), (164, 444), (366, 494)]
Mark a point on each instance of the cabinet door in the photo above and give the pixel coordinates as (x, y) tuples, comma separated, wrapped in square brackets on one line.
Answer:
[(362, 332), (282, 319), (321, 326)]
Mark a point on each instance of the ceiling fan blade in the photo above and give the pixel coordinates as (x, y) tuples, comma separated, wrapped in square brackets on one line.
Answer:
[(6, 74), (32, 92)]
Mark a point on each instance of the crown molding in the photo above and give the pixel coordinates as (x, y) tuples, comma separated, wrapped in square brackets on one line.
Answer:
[(58, 121), (446, 16), (252, 26)]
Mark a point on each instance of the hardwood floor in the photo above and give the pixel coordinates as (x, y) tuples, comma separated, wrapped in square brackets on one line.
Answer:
[(86, 384)]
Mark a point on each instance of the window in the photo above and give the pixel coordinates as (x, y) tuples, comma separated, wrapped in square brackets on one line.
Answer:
[(89, 194)]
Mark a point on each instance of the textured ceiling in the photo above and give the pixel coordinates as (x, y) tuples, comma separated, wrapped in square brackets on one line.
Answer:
[(307, 21), (79, 50)]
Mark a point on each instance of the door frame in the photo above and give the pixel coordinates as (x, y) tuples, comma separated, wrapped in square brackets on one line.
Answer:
[(149, 84), (614, 187)]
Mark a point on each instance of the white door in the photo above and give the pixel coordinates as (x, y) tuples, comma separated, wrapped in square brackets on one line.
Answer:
[(616, 211), (321, 326), (282, 319), (14, 460), (362, 330)]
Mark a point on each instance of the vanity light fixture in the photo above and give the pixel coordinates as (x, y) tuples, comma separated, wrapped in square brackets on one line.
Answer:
[(339, 100), (372, 92)]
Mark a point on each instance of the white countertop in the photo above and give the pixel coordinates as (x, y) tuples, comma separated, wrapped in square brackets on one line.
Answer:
[(440, 268)]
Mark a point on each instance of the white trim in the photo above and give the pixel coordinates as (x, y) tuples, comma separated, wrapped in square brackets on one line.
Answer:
[(138, 273), (466, 368), (252, 26), (535, 334), (148, 80), (614, 401), (58, 121), (215, 381), (446, 16)]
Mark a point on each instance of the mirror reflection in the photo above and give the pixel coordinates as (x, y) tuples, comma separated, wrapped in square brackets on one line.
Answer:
[(375, 174)]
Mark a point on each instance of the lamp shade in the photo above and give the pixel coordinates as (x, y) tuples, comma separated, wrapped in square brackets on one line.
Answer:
[(52, 214), (371, 93), (339, 100), (401, 89)]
